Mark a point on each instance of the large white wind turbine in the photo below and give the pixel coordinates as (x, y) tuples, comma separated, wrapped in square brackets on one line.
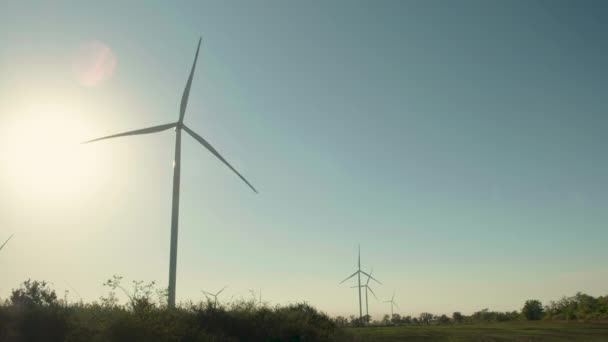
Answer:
[(359, 272), (179, 125), (214, 295), (392, 301), (367, 288), (5, 242)]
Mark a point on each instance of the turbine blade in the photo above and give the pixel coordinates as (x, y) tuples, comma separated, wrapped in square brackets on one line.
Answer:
[(136, 132), (376, 280), (186, 94), (217, 294), (354, 274), (372, 291), (217, 154), (395, 304), (208, 293), (5, 242), (370, 274)]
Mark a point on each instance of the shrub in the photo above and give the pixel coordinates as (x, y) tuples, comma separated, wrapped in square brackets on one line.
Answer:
[(34, 314)]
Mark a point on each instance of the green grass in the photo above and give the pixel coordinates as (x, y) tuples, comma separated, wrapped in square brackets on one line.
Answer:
[(520, 331)]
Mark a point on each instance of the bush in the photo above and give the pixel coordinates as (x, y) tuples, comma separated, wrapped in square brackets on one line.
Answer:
[(34, 314)]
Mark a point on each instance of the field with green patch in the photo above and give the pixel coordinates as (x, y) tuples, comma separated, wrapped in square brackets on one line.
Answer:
[(521, 331)]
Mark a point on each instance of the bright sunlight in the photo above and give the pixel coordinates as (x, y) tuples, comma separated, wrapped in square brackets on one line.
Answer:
[(41, 152)]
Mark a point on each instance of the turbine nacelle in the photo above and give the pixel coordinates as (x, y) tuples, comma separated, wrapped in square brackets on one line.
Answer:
[(367, 287), (364, 273)]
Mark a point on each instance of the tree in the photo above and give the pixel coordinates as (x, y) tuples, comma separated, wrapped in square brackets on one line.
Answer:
[(457, 317), (341, 321), (482, 316), (603, 305), (355, 321), (533, 310), (586, 304), (443, 319), (406, 319), (564, 308), (34, 293), (386, 320), (425, 317)]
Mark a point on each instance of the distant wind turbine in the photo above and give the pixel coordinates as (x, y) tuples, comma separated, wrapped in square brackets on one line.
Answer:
[(392, 301), (367, 287), (5, 242), (255, 297), (178, 126), (215, 295), (73, 289), (359, 272)]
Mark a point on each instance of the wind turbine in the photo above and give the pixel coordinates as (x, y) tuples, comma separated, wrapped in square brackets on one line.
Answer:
[(5, 242), (366, 286), (73, 289), (178, 126), (392, 301), (253, 294), (215, 295), (359, 272)]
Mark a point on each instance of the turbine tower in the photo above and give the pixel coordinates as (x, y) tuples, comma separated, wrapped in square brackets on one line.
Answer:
[(359, 272), (392, 301), (215, 295), (5, 242), (179, 126), (367, 288)]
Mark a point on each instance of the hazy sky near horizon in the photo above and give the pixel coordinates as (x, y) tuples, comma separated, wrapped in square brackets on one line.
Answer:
[(462, 143)]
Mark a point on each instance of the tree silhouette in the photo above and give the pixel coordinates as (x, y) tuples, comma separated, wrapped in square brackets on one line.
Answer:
[(533, 310)]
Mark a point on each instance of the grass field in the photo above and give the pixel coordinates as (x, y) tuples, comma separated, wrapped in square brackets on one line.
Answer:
[(497, 332)]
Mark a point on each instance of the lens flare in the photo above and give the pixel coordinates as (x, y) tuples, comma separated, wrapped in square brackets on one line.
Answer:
[(94, 64)]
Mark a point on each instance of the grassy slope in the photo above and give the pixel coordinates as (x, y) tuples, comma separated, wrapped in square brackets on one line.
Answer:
[(498, 332)]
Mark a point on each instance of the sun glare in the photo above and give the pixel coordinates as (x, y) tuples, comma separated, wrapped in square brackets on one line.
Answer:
[(42, 155), (94, 64)]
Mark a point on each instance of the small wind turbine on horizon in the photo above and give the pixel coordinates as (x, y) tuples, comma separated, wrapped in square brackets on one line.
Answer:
[(254, 296), (178, 126), (366, 286), (5, 242), (215, 295), (359, 272), (392, 301), (73, 289)]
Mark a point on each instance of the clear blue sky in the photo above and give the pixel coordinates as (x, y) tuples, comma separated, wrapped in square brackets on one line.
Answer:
[(463, 144)]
